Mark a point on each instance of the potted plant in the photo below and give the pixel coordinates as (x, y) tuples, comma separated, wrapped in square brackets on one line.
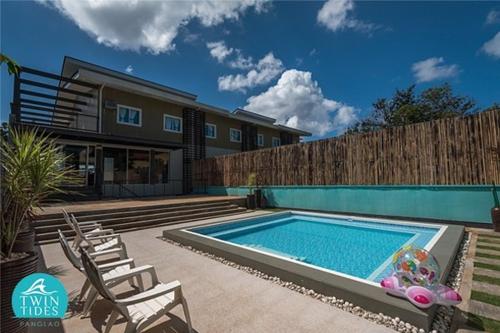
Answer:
[(251, 181), (495, 211), (32, 169)]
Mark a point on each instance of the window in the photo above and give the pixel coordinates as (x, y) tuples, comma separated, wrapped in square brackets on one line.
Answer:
[(260, 140), (159, 167), (210, 131), (127, 115), (172, 123), (276, 142), (234, 135), (115, 165), (138, 167)]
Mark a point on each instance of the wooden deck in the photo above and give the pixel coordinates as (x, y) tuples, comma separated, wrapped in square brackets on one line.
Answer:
[(96, 206)]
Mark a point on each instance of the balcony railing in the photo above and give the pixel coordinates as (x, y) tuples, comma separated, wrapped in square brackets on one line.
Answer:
[(46, 99)]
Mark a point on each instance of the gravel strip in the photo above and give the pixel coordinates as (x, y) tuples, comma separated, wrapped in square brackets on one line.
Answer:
[(441, 323)]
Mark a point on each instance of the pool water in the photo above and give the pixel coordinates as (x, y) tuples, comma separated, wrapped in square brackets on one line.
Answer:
[(358, 247)]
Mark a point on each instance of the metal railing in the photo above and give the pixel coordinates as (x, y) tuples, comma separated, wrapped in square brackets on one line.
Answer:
[(122, 190), (46, 99)]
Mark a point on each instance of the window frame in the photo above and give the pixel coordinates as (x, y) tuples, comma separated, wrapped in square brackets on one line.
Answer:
[(165, 115), (215, 131), (276, 138), (118, 106), (231, 137), (263, 142)]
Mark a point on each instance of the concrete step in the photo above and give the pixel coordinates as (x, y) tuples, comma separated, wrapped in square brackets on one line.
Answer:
[(487, 272), (485, 287), (52, 237), (484, 309), (96, 214), (118, 217)]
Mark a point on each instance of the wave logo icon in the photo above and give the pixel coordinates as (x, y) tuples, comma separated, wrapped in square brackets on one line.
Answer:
[(38, 288), (39, 295)]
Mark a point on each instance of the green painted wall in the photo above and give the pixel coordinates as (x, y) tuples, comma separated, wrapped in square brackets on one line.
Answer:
[(454, 203)]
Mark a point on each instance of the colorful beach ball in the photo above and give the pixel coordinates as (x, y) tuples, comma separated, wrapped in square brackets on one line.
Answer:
[(416, 266)]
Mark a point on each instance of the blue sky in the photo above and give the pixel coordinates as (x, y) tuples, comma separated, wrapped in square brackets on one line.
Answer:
[(313, 65)]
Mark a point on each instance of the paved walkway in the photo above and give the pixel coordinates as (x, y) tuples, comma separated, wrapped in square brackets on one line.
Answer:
[(126, 203), (221, 298), (481, 311)]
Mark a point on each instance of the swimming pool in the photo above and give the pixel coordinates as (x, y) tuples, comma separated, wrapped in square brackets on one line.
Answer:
[(360, 248)]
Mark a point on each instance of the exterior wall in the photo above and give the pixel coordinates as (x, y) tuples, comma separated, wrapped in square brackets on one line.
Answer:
[(470, 203), (152, 123), (152, 116), (223, 125), (269, 133)]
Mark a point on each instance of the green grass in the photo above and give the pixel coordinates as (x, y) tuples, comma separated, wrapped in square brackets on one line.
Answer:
[(488, 247), (490, 236), (487, 255), (487, 266), (490, 240), (487, 279), (483, 323), (485, 297)]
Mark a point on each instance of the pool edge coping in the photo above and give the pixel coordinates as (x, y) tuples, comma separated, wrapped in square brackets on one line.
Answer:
[(368, 296)]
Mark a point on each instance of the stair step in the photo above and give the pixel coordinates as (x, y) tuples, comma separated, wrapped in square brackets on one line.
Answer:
[(98, 216), (111, 222), (82, 214), (50, 237)]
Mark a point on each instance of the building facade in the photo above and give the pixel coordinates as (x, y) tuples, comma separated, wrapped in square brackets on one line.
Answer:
[(127, 136)]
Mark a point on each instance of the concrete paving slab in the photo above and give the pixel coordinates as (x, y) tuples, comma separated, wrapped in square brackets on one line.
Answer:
[(220, 298)]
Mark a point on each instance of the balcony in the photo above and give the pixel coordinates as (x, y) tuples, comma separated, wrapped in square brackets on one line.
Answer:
[(48, 100)]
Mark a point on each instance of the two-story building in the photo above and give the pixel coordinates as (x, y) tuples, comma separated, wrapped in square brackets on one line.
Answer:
[(127, 135)]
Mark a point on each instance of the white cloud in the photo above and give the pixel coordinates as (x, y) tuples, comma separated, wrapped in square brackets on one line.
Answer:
[(297, 101), (492, 47), (336, 15), (219, 50), (433, 69), (493, 17), (129, 69), (153, 25), (241, 62), (266, 69)]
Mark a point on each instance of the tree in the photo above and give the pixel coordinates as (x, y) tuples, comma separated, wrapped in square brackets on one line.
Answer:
[(406, 107)]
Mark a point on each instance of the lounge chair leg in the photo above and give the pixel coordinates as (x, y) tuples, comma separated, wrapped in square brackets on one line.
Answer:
[(91, 298), (111, 321), (85, 287), (186, 314)]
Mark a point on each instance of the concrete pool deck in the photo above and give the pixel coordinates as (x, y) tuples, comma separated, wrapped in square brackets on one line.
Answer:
[(220, 298), (368, 296)]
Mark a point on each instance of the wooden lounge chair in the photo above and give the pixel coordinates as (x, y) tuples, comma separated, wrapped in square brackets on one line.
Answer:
[(112, 272), (142, 309)]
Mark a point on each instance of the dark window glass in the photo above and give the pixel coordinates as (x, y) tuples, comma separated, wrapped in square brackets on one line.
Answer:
[(159, 167), (91, 167), (76, 160), (138, 166), (115, 165)]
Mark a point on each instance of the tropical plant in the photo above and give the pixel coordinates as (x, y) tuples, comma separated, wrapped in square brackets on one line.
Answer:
[(251, 182), (12, 66), (32, 169)]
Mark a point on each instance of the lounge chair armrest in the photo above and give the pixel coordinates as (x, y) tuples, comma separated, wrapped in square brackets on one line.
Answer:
[(99, 233), (118, 278), (153, 293), (106, 252), (114, 264), (95, 238)]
